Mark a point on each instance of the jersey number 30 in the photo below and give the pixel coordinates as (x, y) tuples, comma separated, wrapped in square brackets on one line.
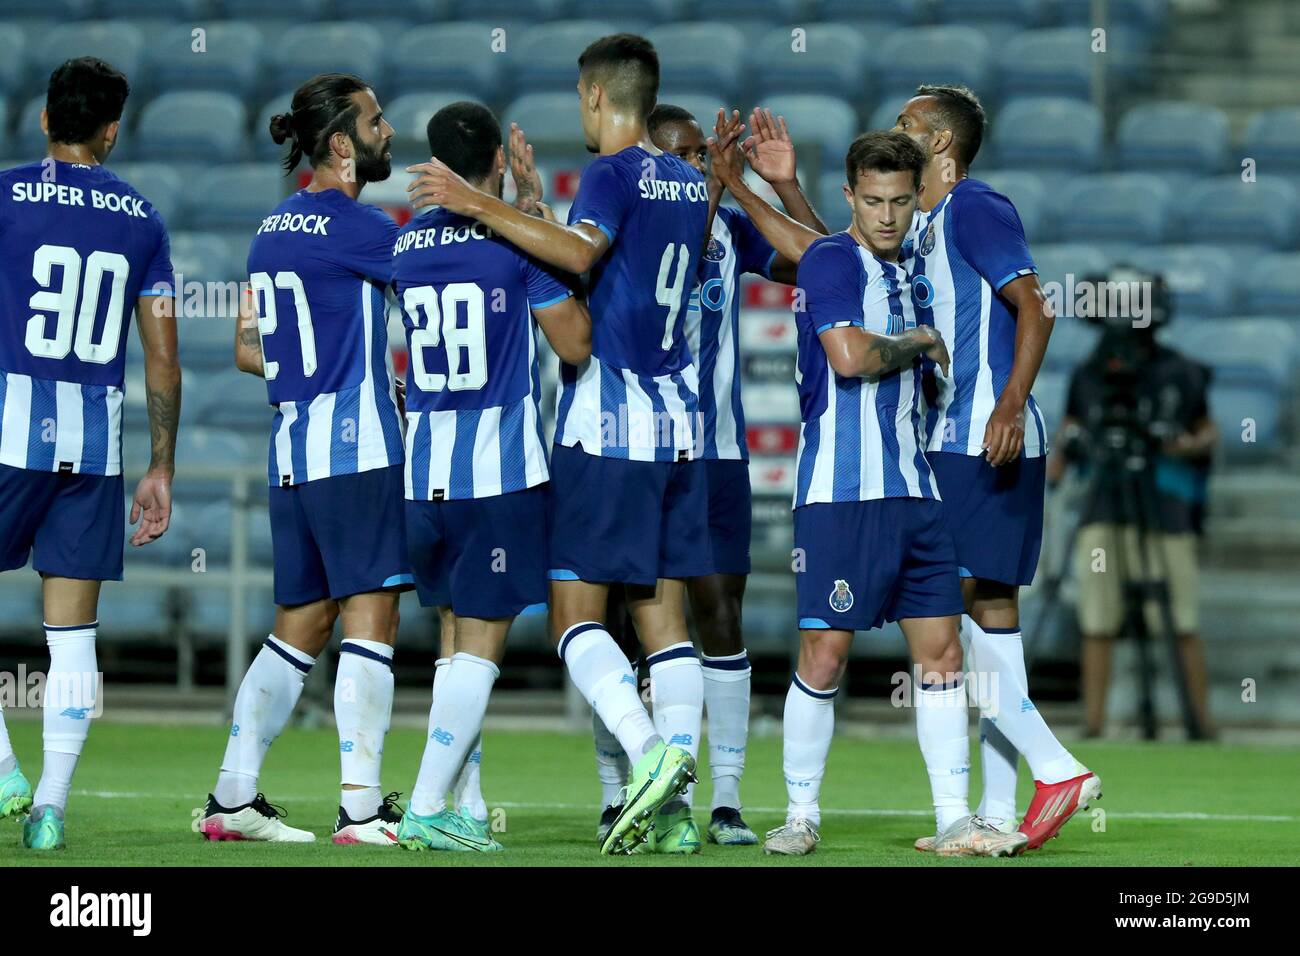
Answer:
[(440, 328), (63, 304)]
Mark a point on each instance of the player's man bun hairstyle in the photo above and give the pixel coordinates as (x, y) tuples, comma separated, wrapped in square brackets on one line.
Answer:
[(957, 108), (884, 151), (321, 107), (665, 113), (84, 95), (465, 136), (627, 67)]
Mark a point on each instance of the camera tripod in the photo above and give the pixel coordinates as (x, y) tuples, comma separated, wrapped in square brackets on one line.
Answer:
[(1122, 472)]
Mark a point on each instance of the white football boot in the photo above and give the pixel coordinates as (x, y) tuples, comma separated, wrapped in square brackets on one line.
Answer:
[(379, 830), (253, 821)]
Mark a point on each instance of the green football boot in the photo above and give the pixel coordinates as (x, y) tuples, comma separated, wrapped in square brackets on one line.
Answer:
[(661, 774), (445, 830), (44, 832), (15, 794), (675, 832)]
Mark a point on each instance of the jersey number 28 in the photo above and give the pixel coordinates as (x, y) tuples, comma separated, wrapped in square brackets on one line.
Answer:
[(440, 328)]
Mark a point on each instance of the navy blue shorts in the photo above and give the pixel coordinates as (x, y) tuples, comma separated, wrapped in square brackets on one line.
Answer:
[(483, 557), (995, 515), (731, 514), (338, 536), (868, 562), (615, 520), (72, 526)]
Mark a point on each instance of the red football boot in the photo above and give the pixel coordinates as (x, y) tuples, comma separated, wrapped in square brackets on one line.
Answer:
[(1055, 803)]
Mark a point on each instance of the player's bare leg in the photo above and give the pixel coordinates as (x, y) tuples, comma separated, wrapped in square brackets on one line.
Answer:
[(808, 725), (265, 702), (363, 707), (1063, 785), (716, 602), (70, 702), (473, 649)]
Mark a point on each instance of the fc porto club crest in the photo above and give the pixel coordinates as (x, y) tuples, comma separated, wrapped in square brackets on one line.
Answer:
[(841, 597), (927, 244), (714, 252)]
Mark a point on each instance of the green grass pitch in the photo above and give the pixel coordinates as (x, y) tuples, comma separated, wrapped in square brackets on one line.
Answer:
[(1165, 804)]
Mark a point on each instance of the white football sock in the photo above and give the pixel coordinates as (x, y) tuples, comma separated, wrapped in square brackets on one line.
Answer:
[(999, 760), (943, 731), (363, 708), (7, 759), (467, 792), (808, 726), (604, 676), (677, 699), (439, 673), (612, 765), (70, 702), (1001, 660), (267, 695), (361, 804), (726, 705), (455, 721)]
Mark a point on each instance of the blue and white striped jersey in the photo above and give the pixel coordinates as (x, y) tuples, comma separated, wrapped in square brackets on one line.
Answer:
[(958, 256), (473, 390), (637, 397), (713, 329), (861, 438), (78, 248), (319, 265)]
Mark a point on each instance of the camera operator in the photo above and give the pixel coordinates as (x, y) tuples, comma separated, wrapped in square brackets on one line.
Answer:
[(1137, 417)]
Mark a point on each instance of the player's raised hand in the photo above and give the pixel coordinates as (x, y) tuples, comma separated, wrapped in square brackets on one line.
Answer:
[(435, 184), (523, 170), (152, 507), (726, 164), (769, 149), (1004, 435)]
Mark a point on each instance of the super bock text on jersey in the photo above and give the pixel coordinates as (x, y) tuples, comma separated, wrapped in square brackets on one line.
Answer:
[(867, 523), (476, 463), (79, 247), (628, 506), (318, 266)]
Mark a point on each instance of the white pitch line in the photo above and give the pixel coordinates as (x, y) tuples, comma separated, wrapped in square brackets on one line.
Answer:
[(826, 811)]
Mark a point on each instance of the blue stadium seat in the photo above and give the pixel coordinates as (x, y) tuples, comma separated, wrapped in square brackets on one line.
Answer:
[(546, 56), (830, 58), (648, 11), (174, 10), (1225, 209), (235, 197), (704, 55), (1028, 13), (129, 611), (298, 10), (234, 400), (903, 12), (232, 61), (700, 105), (419, 11), (336, 47), (264, 147), (918, 55), (209, 613), (1048, 131), (194, 125), (885, 115), (1147, 16), (201, 257), (532, 11), (409, 116), (1201, 283), (1072, 341), (217, 448), (29, 142), (121, 44), (1056, 263), (546, 118), (1027, 192), (449, 56), (13, 63), (159, 183), (1054, 62), (1272, 139), (831, 205), (826, 121), (60, 10), (1051, 390), (1127, 206), (1167, 135), (1272, 285)]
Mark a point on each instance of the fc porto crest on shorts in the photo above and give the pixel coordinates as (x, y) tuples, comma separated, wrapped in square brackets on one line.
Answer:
[(927, 244), (841, 598)]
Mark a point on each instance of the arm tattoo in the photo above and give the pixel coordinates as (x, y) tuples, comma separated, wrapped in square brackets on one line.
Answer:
[(250, 338), (164, 405)]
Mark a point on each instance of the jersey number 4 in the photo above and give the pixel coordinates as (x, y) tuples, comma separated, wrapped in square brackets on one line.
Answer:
[(74, 329), (440, 328), (668, 293)]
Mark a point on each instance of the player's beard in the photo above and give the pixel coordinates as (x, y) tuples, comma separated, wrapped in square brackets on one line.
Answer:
[(372, 166)]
